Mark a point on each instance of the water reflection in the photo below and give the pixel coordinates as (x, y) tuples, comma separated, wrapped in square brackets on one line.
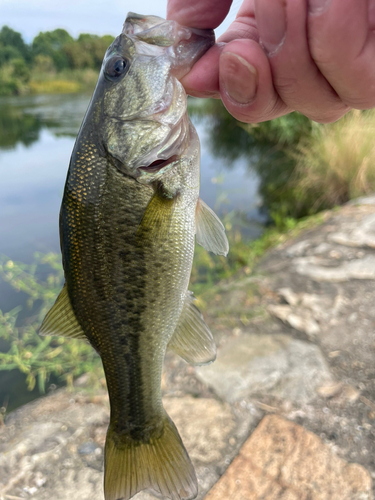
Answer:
[(16, 126), (26, 116), (265, 148), (36, 138)]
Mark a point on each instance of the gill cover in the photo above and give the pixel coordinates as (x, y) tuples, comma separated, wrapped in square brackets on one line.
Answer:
[(146, 128)]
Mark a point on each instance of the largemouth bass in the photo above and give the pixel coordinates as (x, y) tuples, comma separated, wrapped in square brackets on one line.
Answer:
[(129, 217)]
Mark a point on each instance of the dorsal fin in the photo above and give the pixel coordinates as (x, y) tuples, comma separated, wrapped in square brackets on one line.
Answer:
[(210, 232), (192, 339), (60, 319)]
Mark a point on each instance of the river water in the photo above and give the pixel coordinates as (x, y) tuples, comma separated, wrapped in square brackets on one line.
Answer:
[(37, 134)]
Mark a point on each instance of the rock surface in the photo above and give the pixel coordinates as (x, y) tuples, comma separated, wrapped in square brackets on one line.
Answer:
[(275, 365), (283, 461), (56, 444), (286, 412)]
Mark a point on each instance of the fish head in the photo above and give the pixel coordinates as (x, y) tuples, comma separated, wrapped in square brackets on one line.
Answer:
[(143, 106)]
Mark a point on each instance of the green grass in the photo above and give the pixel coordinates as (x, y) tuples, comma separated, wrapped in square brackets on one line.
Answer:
[(63, 82), (35, 356), (336, 163), (40, 81)]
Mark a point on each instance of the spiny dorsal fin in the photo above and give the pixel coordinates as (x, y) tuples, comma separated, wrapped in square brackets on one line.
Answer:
[(192, 339), (156, 220), (60, 319), (210, 232)]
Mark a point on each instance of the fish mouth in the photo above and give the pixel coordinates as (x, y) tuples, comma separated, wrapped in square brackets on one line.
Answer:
[(157, 165)]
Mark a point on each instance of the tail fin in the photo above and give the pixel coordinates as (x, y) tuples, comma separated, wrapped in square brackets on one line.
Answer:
[(162, 464)]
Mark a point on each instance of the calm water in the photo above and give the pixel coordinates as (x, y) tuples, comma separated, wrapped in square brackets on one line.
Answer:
[(36, 138), (37, 135)]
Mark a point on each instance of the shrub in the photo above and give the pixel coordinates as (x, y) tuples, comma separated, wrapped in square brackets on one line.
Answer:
[(336, 163), (35, 356)]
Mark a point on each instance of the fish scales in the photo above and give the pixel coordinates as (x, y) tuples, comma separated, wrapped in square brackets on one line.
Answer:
[(129, 219), (118, 273)]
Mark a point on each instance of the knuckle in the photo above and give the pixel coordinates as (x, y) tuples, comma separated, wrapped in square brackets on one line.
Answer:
[(360, 101), (326, 114), (323, 59), (285, 85), (275, 108), (256, 114), (330, 118), (322, 53)]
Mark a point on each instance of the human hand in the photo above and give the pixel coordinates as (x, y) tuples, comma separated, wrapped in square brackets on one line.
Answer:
[(313, 56)]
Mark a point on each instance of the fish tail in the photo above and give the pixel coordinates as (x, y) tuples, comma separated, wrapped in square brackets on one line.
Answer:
[(161, 464)]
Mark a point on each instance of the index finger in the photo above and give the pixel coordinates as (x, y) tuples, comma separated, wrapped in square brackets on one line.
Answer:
[(202, 14)]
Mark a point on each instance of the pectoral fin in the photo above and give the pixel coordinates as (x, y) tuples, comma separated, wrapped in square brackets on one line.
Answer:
[(156, 220), (210, 232), (60, 319), (192, 339)]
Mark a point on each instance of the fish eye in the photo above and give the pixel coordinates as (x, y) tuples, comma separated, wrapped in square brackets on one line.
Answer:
[(117, 66)]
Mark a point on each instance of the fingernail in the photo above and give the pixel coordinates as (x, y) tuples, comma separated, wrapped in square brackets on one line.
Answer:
[(238, 77), (318, 6), (271, 20)]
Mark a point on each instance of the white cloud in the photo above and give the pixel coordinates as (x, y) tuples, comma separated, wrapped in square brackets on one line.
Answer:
[(76, 16)]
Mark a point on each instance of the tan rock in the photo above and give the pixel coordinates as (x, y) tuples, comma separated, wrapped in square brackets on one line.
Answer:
[(270, 364), (204, 425), (283, 461), (360, 269), (58, 454), (351, 394), (330, 389), (298, 318)]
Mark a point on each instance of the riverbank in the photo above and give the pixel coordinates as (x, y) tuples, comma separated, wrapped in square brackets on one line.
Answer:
[(54, 62), (286, 412), (65, 82)]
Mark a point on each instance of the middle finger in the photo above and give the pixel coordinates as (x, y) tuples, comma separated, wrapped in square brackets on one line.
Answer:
[(298, 81)]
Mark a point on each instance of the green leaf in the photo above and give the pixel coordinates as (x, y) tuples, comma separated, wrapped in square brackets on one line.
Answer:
[(8, 367), (42, 380)]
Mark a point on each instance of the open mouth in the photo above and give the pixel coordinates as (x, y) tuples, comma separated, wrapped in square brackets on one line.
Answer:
[(157, 165)]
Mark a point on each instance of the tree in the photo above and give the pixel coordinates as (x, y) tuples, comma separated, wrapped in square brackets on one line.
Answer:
[(12, 46), (43, 64), (14, 76), (78, 55), (99, 48), (87, 51), (51, 43)]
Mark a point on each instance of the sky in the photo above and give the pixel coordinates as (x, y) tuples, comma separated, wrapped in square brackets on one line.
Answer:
[(100, 17)]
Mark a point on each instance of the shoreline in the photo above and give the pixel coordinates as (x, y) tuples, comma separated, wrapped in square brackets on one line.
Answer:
[(64, 82)]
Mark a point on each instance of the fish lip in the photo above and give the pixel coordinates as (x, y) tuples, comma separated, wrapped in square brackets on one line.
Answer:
[(159, 164)]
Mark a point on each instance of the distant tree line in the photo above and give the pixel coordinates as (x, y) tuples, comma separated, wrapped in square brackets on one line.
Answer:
[(49, 52)]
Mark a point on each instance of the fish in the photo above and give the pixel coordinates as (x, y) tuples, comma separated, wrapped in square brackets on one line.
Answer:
[(129, 219)]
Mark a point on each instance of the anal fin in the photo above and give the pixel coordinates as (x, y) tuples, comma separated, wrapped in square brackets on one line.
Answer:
[(192, 339), (60, 319)]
